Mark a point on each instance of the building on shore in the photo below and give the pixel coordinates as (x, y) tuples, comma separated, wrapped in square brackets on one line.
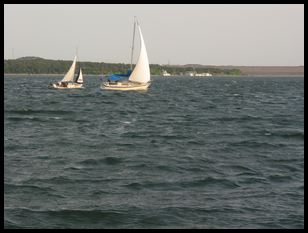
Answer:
[(204, 74), (195, 74)]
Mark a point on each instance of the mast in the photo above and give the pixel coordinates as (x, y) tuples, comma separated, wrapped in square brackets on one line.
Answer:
[(77, 54), (141, 72), (77, 61), (131, 57)]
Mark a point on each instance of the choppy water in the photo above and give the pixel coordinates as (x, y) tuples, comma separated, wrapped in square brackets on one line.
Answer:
[(188, 153)]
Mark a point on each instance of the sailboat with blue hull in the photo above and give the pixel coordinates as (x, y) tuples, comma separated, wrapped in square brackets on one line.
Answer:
[(137, 79)]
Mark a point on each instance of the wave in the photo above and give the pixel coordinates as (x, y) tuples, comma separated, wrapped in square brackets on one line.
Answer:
[(255, 144), (240, 170), (247, 118), (196, 142), (134, 186), (8, 186), (33, 118), (62, 180), (280, 178), (176, 185), (26, 189), (107, 160), (61, 211), (32, 111), (289, 134), (36, 115), (9, 224), (208, 181), (67, 218)]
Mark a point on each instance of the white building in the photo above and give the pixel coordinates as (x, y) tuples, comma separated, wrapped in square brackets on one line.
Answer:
[(204, 74)]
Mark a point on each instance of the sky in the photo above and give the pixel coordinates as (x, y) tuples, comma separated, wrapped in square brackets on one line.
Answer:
[(175, 34)]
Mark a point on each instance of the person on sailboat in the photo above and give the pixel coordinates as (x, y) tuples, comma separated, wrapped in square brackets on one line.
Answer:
[(63, 84)]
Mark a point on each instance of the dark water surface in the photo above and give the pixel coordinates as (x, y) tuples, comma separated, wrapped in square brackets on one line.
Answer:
[(221, 152)]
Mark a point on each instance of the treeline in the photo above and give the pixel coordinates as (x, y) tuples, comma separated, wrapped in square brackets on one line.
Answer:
[(36, 65)]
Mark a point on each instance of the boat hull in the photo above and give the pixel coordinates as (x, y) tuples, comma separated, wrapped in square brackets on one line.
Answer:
[(68, 86), (125, 86)]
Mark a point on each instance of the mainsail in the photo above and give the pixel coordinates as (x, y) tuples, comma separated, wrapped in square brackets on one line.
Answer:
[(141, 72), (69, 77)]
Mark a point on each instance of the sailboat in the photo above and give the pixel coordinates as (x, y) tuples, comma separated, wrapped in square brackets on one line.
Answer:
[(139, 78), (70, 81)]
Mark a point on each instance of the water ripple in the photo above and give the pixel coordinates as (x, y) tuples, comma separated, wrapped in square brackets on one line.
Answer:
[(222, 152)]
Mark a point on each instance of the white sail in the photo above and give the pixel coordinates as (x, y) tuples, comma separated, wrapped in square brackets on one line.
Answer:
[(141, 72), (69, 77), (80, 77)]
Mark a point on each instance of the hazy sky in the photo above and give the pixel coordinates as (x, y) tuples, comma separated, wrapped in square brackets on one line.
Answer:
[(205, 34)]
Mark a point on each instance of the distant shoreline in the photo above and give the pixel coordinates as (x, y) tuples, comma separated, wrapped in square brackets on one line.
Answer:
[(34, 65), (24, 74)]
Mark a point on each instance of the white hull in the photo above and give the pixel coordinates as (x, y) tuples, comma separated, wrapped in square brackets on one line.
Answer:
[(69, 86), (127, 86), (68, 82)]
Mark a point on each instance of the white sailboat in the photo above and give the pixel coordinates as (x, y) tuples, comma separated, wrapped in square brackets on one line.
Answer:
[(139, 78), (70, 81)]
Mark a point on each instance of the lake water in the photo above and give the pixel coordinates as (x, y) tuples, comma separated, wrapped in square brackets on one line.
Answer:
[(218, 152)]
